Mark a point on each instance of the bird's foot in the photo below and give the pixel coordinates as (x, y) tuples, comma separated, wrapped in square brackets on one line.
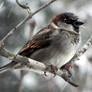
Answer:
[(67, 67), (51, 68)]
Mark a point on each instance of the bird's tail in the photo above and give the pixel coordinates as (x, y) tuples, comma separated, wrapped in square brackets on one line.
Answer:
[(8, 66)]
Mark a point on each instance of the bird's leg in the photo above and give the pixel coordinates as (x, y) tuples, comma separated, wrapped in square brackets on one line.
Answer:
[(67, 68), (51, 68)]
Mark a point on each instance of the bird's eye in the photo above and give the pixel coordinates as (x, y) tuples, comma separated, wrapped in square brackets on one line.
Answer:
[(65, 20), (69, 21)]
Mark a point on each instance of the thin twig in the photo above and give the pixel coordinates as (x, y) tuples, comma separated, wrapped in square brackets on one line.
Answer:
[(14, 29), (24, 6), (25, 20), (43, 7)]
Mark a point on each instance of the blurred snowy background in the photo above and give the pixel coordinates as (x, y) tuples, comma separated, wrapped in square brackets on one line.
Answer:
[(11, 14)]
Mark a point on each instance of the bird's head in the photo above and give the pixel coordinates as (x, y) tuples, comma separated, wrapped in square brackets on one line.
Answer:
[(66, 21)]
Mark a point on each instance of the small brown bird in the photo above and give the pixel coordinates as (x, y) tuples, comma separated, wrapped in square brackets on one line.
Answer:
[(53, 45)]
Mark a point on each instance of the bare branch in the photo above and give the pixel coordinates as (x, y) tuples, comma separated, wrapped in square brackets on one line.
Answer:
[(25, 20), (14, 29), (87, 45), (32, 64)]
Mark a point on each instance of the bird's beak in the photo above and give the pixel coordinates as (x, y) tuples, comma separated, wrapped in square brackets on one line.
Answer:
[(79, 23)]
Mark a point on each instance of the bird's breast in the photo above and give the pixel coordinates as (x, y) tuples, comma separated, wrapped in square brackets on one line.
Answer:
[(64, 49)]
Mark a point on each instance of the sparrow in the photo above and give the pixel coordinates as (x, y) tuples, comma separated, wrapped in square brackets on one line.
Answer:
[(54, 44)]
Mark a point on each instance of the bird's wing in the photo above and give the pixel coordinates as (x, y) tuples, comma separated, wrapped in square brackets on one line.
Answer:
[(40, 40)]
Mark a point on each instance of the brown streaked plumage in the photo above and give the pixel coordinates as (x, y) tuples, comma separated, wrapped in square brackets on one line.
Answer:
[(40, 40)]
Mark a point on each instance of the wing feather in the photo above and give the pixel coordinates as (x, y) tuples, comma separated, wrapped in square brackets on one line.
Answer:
[(40, 40)]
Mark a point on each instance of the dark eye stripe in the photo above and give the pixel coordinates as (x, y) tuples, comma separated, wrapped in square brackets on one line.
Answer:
[(69, 21)]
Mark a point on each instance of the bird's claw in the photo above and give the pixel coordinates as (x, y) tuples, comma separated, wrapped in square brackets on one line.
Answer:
[(51, 68), (67, 67)]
